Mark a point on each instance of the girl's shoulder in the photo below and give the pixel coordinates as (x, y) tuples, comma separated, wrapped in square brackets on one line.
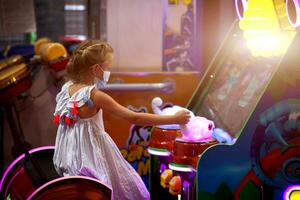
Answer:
[(101, 99), (66, 85), (63, 93), (82, 95), (97, 94)]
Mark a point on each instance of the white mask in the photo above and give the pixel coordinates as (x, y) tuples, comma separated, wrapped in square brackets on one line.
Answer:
[(106, 75), (105, 78)]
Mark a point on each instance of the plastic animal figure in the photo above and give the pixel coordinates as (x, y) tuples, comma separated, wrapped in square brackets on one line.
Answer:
[(198, 129), (222, 136), (157, 103)]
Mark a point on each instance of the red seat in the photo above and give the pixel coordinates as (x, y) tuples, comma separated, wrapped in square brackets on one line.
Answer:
[(21, 178), (73, 187), (39, 180)]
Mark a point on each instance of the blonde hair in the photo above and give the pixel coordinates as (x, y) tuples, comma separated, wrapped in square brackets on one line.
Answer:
[(85, 55)]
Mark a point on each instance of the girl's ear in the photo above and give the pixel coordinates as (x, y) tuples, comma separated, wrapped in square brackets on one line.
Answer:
[(94, 69)]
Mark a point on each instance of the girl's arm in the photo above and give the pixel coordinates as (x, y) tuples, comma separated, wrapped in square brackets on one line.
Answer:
[(109, 105)]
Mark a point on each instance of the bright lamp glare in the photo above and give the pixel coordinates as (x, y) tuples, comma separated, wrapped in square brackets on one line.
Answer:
[(268, 43), (262, 30)]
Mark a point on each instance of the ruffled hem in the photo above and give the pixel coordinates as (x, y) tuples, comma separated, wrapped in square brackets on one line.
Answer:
[(97, 156)]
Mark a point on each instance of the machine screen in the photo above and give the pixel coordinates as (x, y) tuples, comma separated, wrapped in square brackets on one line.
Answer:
[(236, 87)]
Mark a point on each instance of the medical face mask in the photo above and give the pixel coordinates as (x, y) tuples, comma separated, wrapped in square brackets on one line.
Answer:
[(105, 78), (106, 75)]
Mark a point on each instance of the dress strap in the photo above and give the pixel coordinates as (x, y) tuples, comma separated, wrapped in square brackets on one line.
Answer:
[(68, 114), (82, 97)]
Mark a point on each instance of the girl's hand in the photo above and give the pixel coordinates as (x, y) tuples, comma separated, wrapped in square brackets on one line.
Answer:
[(182, 117)]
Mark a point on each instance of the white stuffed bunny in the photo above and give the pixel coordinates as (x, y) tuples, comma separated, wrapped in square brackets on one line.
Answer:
[(157, 102)]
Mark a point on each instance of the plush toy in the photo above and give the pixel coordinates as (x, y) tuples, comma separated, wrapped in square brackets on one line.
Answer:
[(198, 129), (157, 103), (156, 107)]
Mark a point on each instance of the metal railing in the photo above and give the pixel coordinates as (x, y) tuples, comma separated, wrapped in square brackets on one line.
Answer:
[(167, 86)]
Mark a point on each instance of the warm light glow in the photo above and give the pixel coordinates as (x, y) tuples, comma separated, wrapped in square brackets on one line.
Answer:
[(262, 31), (237, 7), (292, 193), (259, 15), (268, 43)]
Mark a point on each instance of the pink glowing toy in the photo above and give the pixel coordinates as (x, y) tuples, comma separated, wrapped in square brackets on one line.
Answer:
[(157, 103), (198, 129)]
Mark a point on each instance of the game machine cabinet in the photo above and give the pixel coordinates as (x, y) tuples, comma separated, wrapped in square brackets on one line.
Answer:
[(235, 81), (175, 151), (252, 92), (186, 152), (25, 50), (160, 148), (15, 79)]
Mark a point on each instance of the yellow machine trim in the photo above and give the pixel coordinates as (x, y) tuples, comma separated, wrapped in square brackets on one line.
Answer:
[(13, 71)]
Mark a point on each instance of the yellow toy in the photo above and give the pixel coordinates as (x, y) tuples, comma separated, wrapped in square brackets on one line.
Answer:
[(165, 178), (48, 50), (175, 185)]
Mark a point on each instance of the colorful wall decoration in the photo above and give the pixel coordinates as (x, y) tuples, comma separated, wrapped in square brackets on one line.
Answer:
[(179, 35)]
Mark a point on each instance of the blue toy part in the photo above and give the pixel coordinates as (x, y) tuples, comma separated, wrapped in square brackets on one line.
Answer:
[(25, 50), (222, 136), (72, 48)]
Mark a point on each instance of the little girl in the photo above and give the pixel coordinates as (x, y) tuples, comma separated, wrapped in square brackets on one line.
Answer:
[(82, 146)]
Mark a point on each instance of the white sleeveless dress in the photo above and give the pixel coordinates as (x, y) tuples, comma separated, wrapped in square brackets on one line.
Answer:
[(84, 148)]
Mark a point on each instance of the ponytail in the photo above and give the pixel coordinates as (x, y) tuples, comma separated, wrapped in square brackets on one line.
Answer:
[(85, 55)]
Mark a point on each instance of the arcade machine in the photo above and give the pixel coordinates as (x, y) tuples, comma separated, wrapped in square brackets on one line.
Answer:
[(175, 151), (264, 163), (228, 94)]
